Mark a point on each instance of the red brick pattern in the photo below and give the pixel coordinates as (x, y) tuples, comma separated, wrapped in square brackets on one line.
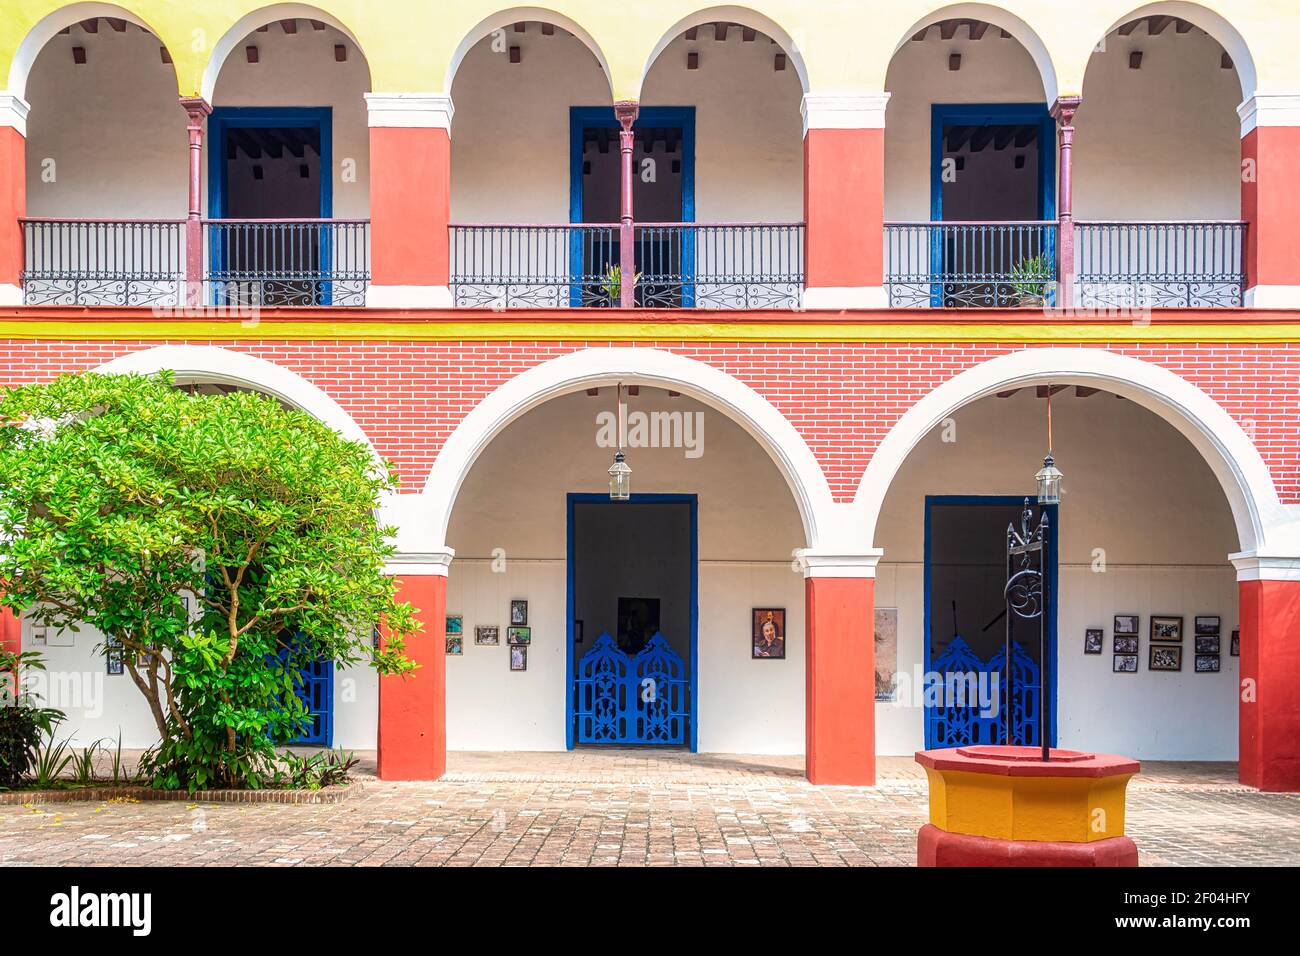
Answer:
[(843, 398)]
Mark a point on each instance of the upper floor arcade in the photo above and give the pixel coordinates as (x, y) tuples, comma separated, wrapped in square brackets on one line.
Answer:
[(785, 155)]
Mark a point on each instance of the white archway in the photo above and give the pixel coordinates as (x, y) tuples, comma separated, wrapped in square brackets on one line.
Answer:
[(596, 367), (1262, 521), (732, 14), (998, 17), (505, 18), (250, 22), (48, 26), (208, 363)]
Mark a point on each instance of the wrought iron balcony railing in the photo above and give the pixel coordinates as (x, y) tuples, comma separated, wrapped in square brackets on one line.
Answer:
[(1187, 264), (103, 261), (969, 264), (287, 262), (678, 265)]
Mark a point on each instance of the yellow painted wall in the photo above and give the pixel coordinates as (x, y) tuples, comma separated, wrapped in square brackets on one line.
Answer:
[(840, 46)]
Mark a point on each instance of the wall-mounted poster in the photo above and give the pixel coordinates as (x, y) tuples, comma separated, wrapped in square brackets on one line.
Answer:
[(1126, 625), (1207, 644), (519, 636), (886, 653), (769, 633), (455, 624), (1234, 646), (455, 645), (487, 634), (518, 612), (519, 658), (1207, 624), (1125, 645), (1166, 628), (1125, 664), (1207, 663), (1092, 640), (1165, 657), (113, 656)]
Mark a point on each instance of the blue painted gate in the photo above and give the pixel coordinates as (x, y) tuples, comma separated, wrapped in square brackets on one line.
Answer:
[(957, 720), (621, 698), (317, 693)]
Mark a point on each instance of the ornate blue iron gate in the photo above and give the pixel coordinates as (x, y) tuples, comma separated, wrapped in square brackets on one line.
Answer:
[(317, 693), (620, 698), (963, 680)]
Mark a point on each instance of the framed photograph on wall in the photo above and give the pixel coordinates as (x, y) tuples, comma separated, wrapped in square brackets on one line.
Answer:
[(1125, 645), (519, 636), (518, 612), (1207, 663), (1126, 625), (1092, 640), (487, 634), (1167, 629), (1207, 624), (886, 640), (455, 624), (768, 635), (1234, 646), (519, 658), (455, 645), (1125, 664), (1165, 657), (1207, 644)]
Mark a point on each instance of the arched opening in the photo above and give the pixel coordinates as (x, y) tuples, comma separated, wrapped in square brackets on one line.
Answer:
[(970, 161), (287, 178), (1157, 163), (106, 175)]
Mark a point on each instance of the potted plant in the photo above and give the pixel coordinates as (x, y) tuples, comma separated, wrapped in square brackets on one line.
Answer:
[(612, 285), (1029, 279)]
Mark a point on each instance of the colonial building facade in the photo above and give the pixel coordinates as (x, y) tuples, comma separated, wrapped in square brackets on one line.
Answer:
[(832, 277)]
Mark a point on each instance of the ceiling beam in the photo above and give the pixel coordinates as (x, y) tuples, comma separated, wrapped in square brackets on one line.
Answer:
[(1128, 28), (1008, 393), (1156, 25), (948, 28), (983, 136), (1084, 391), (977, 29), (1042, 390)]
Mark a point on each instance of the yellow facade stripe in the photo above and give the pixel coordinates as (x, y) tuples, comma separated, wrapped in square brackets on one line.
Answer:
[(637, 331)]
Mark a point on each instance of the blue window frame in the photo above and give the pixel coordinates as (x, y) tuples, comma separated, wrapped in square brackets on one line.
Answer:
[(583, 118), (931, 501), (575, 498), (226, 118)]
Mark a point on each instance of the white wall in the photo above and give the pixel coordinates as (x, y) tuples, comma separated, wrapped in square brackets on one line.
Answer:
[(1165, 550), (515, 498)]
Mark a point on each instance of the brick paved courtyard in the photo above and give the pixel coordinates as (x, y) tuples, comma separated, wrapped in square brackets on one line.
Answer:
[(622, 808)]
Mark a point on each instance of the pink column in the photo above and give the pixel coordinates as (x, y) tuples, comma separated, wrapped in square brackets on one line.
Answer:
[(626, 112), (1270, 201), (197, 109), (13, 196), (1063, 110)]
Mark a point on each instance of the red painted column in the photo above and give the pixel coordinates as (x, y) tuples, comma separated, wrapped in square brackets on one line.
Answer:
[(1270, 203), (13, 195), (844, 201), (1063, 110), (841, 692), (626, 112), (11, 642), (1269, 725), (197, 109), (410, 199), (412, 738)]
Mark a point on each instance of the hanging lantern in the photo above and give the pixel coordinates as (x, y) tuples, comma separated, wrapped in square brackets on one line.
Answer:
[(620, 479), (1049, 483)]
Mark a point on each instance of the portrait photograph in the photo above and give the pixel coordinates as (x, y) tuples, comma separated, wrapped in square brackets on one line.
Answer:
[(518, 612), (1208, 644), (769, 633), (1126, 625), (455, 645), (1167, 629), (1166, 658), (1125, 664), (886, 639), (487, 634), (519, 658), (1092, 640), (519, 636), (1206, 624), (1234, 646), (455, 624), (1126, 645), (1207, 663)]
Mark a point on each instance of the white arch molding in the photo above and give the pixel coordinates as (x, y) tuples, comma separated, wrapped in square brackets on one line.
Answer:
[(257, 18), (998, 17), (732, 14), (207, 363), (1263, 523), (596, 367), (48, 27), (504, 18)]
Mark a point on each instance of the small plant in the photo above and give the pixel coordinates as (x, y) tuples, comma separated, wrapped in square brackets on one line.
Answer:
[(51, 761), (120, 773), (612, 285), (83, 764), (1029, 279), (325, 769)]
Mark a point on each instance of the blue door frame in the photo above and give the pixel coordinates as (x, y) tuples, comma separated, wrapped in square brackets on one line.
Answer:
[(225, 118), (576, 498), (991, 114), (1054, 526), (583, 118)]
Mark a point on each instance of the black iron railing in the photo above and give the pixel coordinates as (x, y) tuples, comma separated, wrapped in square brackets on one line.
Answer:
[(969, 264), (287, 262), (679, 265), (1188, 264), (103, 261)]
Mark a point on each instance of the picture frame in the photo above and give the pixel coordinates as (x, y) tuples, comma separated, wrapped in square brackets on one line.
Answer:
[(1124, 644), (519, 636), (1206, 624), (1092, 640), (1126, 625), (1207, 663), (113, 659), (1165, 657), (1166, 629), (455, 645), (487, 634), (518, 611), (886, 641), (1207, 644), (519, 658), (767, 633), (455, 624), (1234, 645), (1125, 664)]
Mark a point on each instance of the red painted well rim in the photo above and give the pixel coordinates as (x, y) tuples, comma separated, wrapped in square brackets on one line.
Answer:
[(1027, 762)]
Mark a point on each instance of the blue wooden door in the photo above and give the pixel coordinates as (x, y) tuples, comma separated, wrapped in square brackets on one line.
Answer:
[(316, 691)]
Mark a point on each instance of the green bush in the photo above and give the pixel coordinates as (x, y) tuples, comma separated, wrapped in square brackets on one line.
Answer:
[(22, 724)]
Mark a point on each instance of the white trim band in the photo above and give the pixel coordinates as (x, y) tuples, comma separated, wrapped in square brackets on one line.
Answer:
[(419, 564), (1273, 297), (410, 110), (843, 111), (846, 297), (820, 564), (10, 294), (13, 112), (1269, 109), (1254, 567), (408, 297)]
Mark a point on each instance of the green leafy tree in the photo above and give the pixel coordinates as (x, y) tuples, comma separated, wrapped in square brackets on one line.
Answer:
[(222, 542)]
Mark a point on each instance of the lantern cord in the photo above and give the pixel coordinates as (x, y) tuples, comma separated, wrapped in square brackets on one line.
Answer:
[(1049, 418), (618, 413)]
